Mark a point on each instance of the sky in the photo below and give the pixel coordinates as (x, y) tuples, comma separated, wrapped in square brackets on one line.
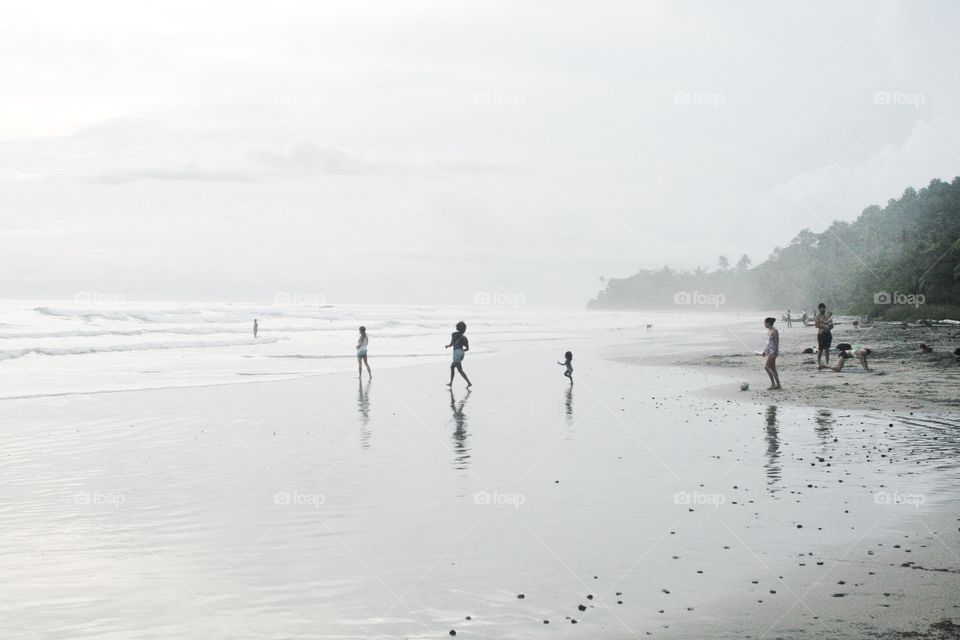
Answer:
[(415, 152)]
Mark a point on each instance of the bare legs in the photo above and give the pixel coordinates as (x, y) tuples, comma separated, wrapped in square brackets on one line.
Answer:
[(771, 369), (456, 366), (361, 362)]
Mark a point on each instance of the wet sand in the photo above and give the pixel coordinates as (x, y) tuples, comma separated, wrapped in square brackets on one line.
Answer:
[(624, 507), (902, 378)]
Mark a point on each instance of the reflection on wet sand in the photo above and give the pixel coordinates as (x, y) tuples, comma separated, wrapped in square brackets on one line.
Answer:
[(363, 406), (461, 450), (774, 472), (569, 405), (824, 420)]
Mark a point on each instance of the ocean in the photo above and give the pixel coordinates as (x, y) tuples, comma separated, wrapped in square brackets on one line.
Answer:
[(57, 347)]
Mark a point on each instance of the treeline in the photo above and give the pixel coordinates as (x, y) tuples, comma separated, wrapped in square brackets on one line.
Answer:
[(897, 261)]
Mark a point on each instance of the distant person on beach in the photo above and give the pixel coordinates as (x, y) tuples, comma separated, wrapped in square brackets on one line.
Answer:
[(789, 319), (256, 327), (362, 353), (823, 321), (805, 316), (859, 351), (460, 346), (568, 363), (771, 351)]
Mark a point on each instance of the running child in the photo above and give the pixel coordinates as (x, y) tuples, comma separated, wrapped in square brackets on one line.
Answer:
[(568, 363)]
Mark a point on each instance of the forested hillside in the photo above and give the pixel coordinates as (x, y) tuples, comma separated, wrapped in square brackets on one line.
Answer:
[(901, 260)]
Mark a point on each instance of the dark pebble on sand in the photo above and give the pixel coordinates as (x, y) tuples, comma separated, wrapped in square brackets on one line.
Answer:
[(453, 632), (839, 595), (546, 622), (581, 607), (590, 596), (521, 596)]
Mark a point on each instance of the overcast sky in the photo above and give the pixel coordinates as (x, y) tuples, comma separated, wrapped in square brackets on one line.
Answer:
[(422, 152)]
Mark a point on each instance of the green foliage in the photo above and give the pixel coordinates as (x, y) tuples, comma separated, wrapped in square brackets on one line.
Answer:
[(911, 247)]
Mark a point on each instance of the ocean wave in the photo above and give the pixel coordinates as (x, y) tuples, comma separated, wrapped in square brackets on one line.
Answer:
[(182, 316), (13, 354), (188, 331)]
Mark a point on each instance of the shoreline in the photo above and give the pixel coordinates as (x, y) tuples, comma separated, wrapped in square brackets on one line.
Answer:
[(391, 538), (902, 378)]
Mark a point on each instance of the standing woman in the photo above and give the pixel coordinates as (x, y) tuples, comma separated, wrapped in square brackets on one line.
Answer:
[(460, 346), (362, 353), (771, 351)]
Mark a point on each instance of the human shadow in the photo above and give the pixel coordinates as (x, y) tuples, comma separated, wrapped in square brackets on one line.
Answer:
[(772, 465), (461, 448), (363, 406)]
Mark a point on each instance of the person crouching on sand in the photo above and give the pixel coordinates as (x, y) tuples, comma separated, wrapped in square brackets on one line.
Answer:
[(859, 351), (568, 363), (771, 351), (460, 346), (362, 353)]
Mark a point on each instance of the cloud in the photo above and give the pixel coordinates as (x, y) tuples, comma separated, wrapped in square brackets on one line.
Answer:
[(477, 166), (306, 158), (186, 173)]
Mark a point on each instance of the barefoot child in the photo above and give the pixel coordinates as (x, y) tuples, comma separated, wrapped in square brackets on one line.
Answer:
[(771, 351), (362, 343), (568, 363), (460, 346)]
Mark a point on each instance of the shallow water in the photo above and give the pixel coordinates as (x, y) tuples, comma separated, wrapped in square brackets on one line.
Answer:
[(56, 347), (325, 507)]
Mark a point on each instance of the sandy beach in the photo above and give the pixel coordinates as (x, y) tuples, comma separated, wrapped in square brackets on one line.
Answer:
[(902, 378), (633, 505)]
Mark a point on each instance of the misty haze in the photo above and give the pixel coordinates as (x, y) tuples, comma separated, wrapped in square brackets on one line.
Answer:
[(491, 320)]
